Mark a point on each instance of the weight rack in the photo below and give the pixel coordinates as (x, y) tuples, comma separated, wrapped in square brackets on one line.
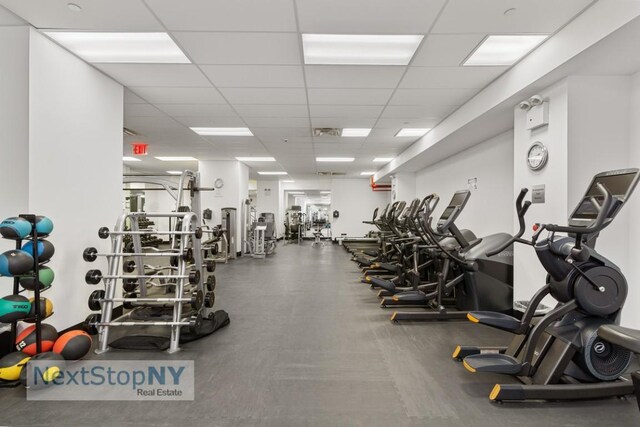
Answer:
[(184, 256)]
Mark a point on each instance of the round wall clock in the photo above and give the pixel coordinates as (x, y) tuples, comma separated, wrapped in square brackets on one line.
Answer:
[(537, 156)]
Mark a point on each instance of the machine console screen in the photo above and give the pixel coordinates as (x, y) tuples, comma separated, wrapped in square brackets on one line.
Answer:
[(618, 185), (447, 213)]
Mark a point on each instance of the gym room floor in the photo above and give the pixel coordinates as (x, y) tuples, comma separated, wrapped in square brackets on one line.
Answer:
[(308, 345)]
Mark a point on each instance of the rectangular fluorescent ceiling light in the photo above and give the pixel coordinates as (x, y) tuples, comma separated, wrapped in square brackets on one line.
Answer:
[(288, 180), (355, 132), (296, 192), (174, 172), (354, 49), (382, 159), (271, 173), (335, 159), (325, 192), (151, 48), (130, 159), (367, 173), (412, 131), (176, 159), (256, 159), (503, 49), (222, 131)]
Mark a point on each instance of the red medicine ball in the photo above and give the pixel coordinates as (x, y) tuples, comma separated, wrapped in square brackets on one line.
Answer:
[(73, 345), (26, 341)]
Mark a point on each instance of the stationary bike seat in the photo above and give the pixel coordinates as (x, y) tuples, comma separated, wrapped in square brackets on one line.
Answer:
[(618, 335)]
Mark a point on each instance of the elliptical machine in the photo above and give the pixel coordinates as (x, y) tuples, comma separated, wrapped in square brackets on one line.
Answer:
[(560, 355)]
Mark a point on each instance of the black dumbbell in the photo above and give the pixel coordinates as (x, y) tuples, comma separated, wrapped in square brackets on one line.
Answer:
[(198, 233), (194, 277), (196, 300), (90, 254), (187, 255), (93, 277), (211, 283), (128, 304), (129, 266), (209, 299), (95, 300), (195, 323), (103, 232), (211, 265), (129, 284), (90, 322)]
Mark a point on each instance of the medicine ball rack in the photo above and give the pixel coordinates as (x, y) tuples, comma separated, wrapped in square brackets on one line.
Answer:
[(185, 280), (35, 273)]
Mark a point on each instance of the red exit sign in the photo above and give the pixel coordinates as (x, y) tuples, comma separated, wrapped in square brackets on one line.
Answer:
[(139, 148)]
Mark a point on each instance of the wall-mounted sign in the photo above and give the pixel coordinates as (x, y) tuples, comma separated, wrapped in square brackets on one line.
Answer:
[(139, 148)]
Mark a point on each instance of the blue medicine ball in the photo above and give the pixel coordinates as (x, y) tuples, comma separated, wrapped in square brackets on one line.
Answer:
[(15, 228), (15, 263), (44, 225), (45, 249)]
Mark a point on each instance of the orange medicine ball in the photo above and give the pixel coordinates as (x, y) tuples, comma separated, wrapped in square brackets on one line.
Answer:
[(73, 345), (26, 340)]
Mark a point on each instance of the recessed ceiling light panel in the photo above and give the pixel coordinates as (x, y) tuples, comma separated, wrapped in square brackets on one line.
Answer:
[(222, 131), (358, 49), (271, 173), (367, 173), (412, 131), (335, 159), (256, 159), (177, 159), (154, 48), (504, 50), (130, 159), (355, 132), (174, 172), (382, 159)]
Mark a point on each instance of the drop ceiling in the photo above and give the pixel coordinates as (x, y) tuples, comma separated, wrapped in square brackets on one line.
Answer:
[(248, 71)]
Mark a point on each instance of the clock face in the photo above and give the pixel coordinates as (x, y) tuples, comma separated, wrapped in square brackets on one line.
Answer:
[(537, 156)]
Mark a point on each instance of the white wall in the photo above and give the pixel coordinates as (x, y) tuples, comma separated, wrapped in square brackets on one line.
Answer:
[(268, 200), (631, 314), (235, 190), (14, 121), (403, 186), (356, 201), (491, 206), (588, 133), (75, 165), (528, 274)]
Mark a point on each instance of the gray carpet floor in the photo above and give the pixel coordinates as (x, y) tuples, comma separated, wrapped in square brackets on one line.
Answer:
[(308, 345)]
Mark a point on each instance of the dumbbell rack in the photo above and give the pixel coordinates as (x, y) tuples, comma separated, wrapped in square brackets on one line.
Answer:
[(16, 291), (185, 253)]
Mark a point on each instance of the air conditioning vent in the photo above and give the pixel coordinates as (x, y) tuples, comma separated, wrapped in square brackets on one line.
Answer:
[(326, 131), (327, 173)]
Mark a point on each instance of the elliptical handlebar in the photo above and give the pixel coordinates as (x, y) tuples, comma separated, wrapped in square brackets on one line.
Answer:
[(603, 211), (521, 210)]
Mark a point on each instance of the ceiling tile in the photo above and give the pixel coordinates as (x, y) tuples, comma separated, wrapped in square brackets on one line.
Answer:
[(96, 15), (224, 15), (446, 50), (200, 121), (170, 75), (540, 16), (352, 76), (239, 141), (408, 112), (432, 97), (349, 96), (264, 95), (367, 16), (179, 95), (277, 122), (7, 18), (142, 110), (132, 98), (241, 48), (281, 133), (399, 123), (449, 77), (255, 75), (276, 143), (197, 110), (272, 110), (352, 111), (342, 122)]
